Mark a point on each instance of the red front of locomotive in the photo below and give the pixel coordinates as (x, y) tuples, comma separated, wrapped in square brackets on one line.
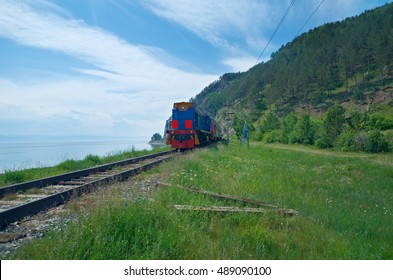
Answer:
[(182, 135)]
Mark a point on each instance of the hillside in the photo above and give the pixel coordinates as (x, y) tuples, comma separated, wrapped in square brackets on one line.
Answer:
[(347, 63)]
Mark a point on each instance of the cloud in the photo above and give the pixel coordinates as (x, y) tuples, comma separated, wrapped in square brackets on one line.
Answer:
[(116, 67), (85, 106), (240, 30), (217, 21)]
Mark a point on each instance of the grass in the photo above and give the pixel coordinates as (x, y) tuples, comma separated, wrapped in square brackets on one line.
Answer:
[(344, 201), (18, 176)]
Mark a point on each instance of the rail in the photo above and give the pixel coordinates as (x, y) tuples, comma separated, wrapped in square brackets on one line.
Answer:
[(57, 189)]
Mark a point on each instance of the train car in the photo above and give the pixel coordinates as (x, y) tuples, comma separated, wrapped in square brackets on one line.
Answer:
[(190, 128)]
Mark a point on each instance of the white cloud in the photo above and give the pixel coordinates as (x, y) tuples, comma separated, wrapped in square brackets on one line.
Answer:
[(216, 21), (99, 103), (239, 29)]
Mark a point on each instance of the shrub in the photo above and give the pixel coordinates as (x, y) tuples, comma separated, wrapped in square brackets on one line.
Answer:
[(360, 140), (376, 142), (346, 141), (371, 142), (273, 136), (321, 144), (69, 165), (94, 159), (14, 176), (389, 138), (270, 122)]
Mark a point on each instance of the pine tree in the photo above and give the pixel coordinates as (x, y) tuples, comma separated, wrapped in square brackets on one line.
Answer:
[(333, 124)]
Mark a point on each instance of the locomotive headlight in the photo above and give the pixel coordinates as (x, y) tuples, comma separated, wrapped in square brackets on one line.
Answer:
[(188, 124)]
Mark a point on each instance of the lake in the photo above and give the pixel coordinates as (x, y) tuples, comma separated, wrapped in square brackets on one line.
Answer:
[(19, 155)]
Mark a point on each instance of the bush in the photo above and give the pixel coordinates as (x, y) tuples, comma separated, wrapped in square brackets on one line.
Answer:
[(389, 138), (94, 159), (360, 140), (69, 165), (371, 142), (273, 136), (376, 142), (346, 141), (270, 122), (321, 144), (14, 177)]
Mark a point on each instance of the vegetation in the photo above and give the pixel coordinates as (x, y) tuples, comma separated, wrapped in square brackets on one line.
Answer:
[(156, 137), (18, 176), (358, 132), (352, 69), (343, 199), (308, 96)]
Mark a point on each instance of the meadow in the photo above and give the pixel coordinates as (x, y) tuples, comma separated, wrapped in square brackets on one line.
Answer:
[(344, 202)]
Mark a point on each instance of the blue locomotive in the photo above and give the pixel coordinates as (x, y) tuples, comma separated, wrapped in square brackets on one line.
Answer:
[(190, 128)]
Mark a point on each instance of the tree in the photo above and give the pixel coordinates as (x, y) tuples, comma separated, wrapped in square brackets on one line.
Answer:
[(270, 122), (156, 137), (303, 132), (238, 125), (333, 124), (288, 125)]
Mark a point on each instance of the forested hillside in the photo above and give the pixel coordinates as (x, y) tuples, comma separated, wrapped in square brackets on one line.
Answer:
[(348, 64)]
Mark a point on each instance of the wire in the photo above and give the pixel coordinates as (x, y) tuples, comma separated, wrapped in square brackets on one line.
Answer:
[(278, 26), (275, 31), (271, 38), (300, 30), (264, 49)]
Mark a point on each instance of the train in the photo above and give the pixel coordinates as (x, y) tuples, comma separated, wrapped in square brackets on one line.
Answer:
[(189, 127)]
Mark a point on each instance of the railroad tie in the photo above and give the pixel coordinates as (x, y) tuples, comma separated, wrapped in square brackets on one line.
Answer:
[(274, 208)]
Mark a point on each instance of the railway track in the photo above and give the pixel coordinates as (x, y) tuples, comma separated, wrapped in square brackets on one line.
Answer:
[(24, 199)]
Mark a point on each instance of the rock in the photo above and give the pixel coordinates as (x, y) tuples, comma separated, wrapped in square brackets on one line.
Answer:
[(6, 237)]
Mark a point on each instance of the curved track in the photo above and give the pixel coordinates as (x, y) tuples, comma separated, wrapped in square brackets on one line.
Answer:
[(21, 200)]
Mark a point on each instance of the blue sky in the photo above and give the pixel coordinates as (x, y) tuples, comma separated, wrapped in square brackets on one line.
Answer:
[(114, 67)]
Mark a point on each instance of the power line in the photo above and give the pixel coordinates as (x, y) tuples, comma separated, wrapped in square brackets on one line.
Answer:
[(278, 26), (275, 31), (263, 51), (271, 38), (316, 9)]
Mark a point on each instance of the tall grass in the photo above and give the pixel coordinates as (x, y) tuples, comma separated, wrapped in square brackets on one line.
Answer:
[(344, 201)]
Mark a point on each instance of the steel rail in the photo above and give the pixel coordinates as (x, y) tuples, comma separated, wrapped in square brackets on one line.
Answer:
[(17, 213), (41, 183)]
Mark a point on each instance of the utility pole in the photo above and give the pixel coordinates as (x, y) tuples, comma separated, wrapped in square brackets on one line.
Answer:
[(245, 135), (227, 118)]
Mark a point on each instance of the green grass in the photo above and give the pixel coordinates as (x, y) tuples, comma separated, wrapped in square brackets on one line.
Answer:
[(18, 176), (344, 202)]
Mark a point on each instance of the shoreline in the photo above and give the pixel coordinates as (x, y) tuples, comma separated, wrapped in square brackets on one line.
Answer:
[(19, 155)]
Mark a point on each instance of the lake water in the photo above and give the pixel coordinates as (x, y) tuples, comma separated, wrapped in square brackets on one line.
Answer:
[(18, 155)]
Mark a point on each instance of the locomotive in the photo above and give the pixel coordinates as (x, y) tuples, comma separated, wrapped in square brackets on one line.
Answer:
[(189, 127)]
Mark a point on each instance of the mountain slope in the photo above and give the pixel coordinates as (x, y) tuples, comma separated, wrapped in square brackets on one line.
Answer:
[(348, 63)]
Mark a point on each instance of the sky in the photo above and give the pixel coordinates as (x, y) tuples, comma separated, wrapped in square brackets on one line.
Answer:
[(114, 68)]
